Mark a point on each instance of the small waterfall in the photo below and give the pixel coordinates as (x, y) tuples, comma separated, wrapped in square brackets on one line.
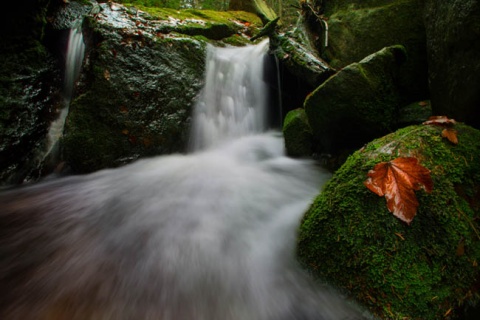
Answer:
[(233, 102), (205, 236), (73, 63)]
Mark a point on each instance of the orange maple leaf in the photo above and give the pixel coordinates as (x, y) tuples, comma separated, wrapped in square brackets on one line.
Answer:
[(443, 121), (397, 180), (440, 121), (450, 134)]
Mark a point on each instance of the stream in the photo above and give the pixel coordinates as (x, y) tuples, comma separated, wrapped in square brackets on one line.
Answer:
[(209, 235)]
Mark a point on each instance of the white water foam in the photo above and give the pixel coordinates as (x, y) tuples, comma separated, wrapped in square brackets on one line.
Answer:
[(205, 236), (233, 102)]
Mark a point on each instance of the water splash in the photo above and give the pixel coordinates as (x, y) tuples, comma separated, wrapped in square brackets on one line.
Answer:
[(233, 102)]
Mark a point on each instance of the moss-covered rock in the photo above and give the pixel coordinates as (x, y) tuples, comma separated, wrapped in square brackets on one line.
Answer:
[(297, 57), (297, 134), (259, 7), (357, 28), (425, 270), (357, 104), (214, 26), (414, 113), (144, 68)]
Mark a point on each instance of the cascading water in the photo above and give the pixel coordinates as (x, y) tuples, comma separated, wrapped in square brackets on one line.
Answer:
[(233, 102), (204, 236), (73, 63)]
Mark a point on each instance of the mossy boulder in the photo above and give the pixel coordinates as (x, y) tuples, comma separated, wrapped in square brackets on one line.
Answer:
[(425, 270), (357, 28), (357, 104), (297, 134), (143, 71)]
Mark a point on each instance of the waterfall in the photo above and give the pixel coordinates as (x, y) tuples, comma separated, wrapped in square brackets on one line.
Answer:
[(73, 63), (233, 102), (205, 236)]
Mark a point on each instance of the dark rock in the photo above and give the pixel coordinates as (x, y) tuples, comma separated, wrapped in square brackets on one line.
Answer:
[(30, 85), (297, 134), (453, 33), (414, 113), (357, 28), (357, 104)]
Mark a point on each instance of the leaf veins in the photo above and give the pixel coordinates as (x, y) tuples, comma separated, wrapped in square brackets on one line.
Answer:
[(397, 180)]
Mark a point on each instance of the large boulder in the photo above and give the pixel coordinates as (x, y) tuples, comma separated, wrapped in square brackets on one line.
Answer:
[(357, 28), (142, 74), (425, 270), (357, 104), (453, 46)]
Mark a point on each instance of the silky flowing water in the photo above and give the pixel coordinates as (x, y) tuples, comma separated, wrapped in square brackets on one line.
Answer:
[(73, 63), (209, 235)]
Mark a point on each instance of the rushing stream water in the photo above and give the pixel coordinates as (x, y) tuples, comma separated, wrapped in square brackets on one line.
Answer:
[(204, 236), (73, 62)]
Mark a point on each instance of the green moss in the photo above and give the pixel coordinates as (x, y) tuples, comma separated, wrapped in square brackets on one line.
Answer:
[(360, 28), (297, 133), (399, 271), (214, 17), (364, 95)]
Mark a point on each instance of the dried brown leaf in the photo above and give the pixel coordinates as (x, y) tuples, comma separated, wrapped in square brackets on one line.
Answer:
[(450, 134), (397, 180)]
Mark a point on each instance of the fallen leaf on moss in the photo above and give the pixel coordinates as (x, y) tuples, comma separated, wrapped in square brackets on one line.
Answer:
[(440, 121), (443, 121), (397, 180), (450, 134)]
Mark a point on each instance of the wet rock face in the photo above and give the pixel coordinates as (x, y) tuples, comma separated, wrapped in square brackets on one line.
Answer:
[(453, 30), (29, 89), (135, 95), (140, 77), (29, 100), (138, 86)]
